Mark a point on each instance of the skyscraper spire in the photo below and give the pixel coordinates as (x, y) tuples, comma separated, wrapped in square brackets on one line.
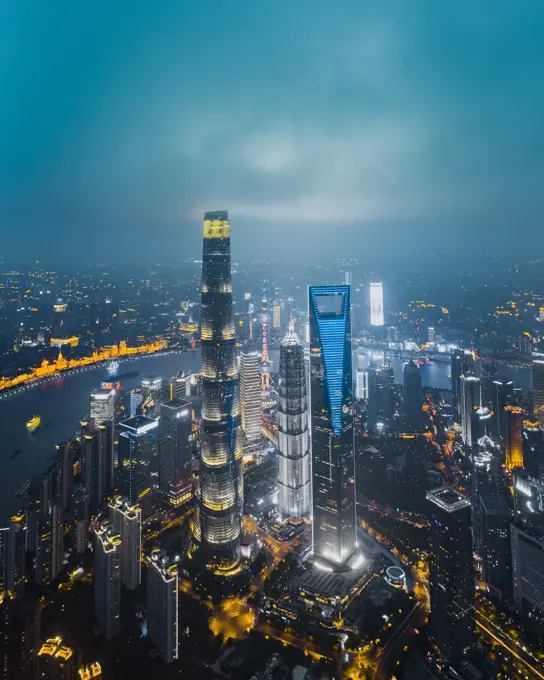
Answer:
[(218, 516)]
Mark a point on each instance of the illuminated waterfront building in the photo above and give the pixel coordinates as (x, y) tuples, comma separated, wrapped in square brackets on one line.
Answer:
[(126, 520), (451, 584), (218, 516), (137, 451), (162, 605), (293, 432), (333, 464), (102, 406), (151, 396), (250, 399), (107, 580), (413, 397), (176, 452), (513, 443), (538, 386), (470, 400), (376, 304)]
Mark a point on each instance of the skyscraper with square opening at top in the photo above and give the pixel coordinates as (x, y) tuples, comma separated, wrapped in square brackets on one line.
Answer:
[(333, 461)]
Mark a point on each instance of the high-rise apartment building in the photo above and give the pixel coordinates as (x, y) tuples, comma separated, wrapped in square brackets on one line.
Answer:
[(218, 516), (176, 452), (293, 431), (107, 580), (376, 304), (333, 461), (470, 400), (451, 584), (137, 454), (97, 449), (66, 469), (126, 520), (250, 398), (162, 605), (413, 396)]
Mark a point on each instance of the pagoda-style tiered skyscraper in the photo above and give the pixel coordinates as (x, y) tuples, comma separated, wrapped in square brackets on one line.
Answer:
[(293, 431), (219, 509)]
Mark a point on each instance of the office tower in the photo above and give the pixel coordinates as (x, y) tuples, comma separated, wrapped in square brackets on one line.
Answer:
[(218, 516), (538, 386), (376, 304), (533, 448), (489, 375), (102, 406), (413, 397), (451, 584), (137, 453), (176, 452), (126, 520), (482, 423), (513, 442), (333, 464), (502, 392), (469, 402), (431, 334), (457, 369), (496, 549), (151, 396), (66, 469), (180, 386), (264, 318), (38, 506), (527, 537), (293, 432), (107, 580), (380, 398), (347, 278), (250, 398), (162, 605), (135, 401), (361, 389), (276, 316), (97, 449), (57, 661)]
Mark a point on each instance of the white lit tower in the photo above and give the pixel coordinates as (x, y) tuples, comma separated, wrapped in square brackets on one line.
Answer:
[(264, 318), (220, 490), (376, 303), (250, 398), (293, 430), (127, 522), (162, 605)]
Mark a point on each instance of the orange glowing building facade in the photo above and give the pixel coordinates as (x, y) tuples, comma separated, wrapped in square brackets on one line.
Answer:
[(514, 436)]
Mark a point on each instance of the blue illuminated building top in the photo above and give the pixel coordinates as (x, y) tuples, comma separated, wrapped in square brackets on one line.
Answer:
[(330, 306)]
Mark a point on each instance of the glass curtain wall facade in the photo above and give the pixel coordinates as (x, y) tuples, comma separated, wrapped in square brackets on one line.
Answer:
[(333, 463), (293, 432), (218, 516)]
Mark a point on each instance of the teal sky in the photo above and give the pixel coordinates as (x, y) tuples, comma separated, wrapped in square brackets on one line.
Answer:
[(352, 127)]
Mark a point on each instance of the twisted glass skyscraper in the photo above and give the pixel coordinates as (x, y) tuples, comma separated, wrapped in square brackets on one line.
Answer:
[(218, 516), (333, 461), (293, 433)]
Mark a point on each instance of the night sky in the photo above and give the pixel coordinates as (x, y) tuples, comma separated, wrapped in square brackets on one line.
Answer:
[(362, 127)]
